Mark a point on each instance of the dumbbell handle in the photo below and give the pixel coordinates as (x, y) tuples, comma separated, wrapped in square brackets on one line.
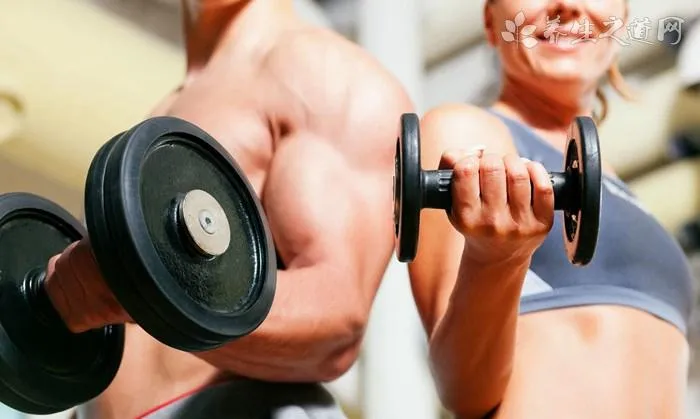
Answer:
[(75, 269), (38, 299), (437, 185)]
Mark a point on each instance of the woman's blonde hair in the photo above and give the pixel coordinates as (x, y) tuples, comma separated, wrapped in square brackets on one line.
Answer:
[(618, 83)]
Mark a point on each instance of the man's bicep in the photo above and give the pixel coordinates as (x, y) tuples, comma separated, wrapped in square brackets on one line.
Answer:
[(322, 208)]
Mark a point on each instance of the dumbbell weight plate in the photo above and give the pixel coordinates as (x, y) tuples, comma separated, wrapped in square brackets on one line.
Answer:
[(145, 193), (408, 189), (44, 368), (582, 162)]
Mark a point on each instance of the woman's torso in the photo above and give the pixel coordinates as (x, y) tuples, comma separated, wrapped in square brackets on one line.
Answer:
[(588, 342)]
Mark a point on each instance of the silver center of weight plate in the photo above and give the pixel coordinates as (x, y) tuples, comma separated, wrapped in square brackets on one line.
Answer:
[(205, 223)]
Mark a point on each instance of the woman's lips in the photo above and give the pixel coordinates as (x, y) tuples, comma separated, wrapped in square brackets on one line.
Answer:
[(563, 41)]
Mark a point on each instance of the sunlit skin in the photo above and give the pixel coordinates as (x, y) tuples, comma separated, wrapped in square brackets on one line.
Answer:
[(311, 119), (580, 362)]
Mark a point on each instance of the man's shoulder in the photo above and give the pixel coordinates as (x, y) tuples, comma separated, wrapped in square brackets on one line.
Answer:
[(337, 66), (314, 42)]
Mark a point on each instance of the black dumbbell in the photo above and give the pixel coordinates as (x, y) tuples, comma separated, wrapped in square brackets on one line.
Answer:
[(180, 239), (577, 190)]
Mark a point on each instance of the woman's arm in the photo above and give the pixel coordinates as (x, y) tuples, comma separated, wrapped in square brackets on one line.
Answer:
[(599, 361), (472, 346), (468, 290)]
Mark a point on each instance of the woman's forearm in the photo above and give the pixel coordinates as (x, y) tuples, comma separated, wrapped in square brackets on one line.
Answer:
[(472, 347)]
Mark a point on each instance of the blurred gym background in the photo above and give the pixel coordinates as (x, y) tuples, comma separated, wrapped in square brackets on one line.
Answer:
[(75, 72)]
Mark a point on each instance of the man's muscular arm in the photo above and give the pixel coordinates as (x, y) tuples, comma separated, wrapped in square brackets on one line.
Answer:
[(329, 204)]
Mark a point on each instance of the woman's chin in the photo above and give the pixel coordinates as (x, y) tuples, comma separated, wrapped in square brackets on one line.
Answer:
[(561, 72), (575, 65)]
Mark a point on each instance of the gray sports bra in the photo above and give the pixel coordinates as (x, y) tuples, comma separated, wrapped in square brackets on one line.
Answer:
[(636, 263)]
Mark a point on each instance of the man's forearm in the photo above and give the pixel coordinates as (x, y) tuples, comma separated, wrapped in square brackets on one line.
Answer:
[(473, 344), (313, 332)]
